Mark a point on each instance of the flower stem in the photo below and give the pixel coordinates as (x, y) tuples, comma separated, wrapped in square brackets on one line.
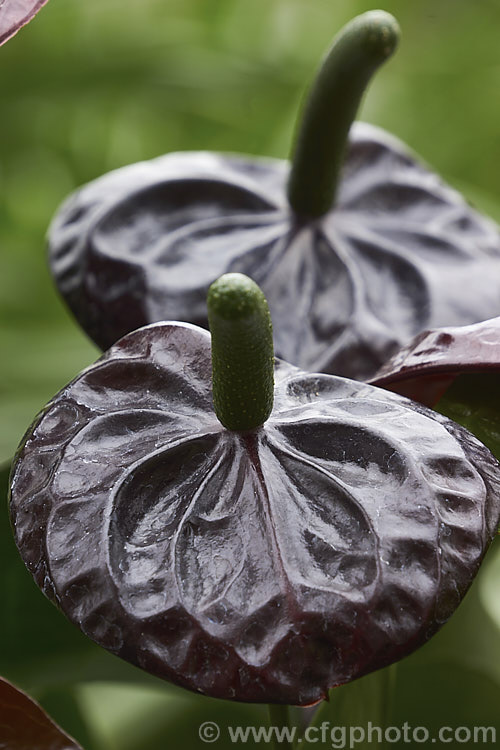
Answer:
[(357, 51), (242, 352), (279, 717)]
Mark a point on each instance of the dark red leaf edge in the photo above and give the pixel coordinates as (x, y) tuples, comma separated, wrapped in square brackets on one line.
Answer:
[(296, 394), (426, 368), (24, 725), (14, 14)]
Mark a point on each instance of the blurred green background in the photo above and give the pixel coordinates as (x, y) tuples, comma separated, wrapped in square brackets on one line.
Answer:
[(91, 86)]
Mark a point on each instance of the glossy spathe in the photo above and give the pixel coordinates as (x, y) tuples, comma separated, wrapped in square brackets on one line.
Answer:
[(356, 245), (399, 252), (264, 566)]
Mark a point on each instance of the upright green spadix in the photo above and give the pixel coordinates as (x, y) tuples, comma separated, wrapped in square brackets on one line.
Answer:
[(357, 51), (242, 352)]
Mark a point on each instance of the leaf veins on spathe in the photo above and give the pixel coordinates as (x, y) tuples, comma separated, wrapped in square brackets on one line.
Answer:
[(399, 251)]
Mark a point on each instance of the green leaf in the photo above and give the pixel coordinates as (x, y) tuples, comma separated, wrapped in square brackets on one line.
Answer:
[(446, 694), (473, 400), (489, 585)]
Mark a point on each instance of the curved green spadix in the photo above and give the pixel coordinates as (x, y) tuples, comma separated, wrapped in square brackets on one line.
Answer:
[(357, 51)]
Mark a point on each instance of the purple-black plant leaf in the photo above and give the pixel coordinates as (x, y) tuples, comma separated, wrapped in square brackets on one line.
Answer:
[(265, 566), (473, 400)]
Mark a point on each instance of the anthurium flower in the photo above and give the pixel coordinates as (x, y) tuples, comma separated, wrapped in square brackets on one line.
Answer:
[(357, 246), (307, 531)]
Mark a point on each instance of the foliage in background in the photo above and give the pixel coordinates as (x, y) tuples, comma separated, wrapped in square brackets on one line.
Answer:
[(88, 87)]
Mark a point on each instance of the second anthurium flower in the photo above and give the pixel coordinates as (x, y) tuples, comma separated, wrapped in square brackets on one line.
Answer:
[(307, 531), (357, 246)]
